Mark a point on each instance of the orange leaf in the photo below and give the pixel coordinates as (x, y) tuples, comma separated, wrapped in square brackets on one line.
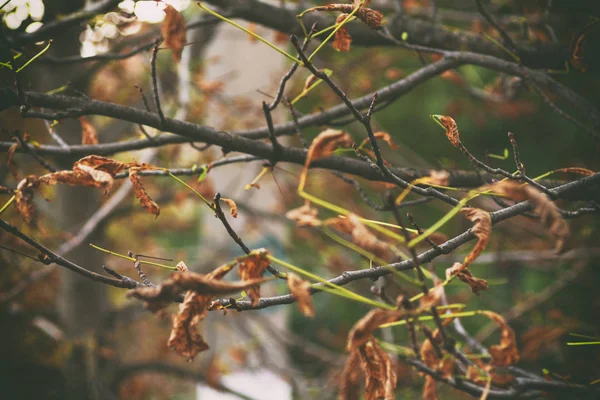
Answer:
[(451, 130), (386, 138), (148, 204), (505, 353), (24, 197), (361, 236), (342, 38), (184, 338), (301, 291), (173, 32), (362, 331), (429, 389), (232, 206), (323, 146), (88, 132), (250, 268), (482, 228)]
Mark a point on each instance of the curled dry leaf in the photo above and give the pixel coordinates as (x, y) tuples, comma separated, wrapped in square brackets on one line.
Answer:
[(377, 366), (182, 267), (386, 138), (451, 130), (549, 215), (24, 197), (476, 284), (429, 389), (145, 200), (361, 236), (184, 338), (372, 18), (577, 170), (88, 132), (173, 32), (233, 211), (325, 144), (505, 353), (304, 216), (342, 38), (249, 269), (432, 298), (349, 381), (482, 228), (362, 331), (301, 291)]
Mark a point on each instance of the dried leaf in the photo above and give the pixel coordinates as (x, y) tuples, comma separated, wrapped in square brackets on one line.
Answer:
[(380, 377), (24, 197), (451, 130), (482, 228), (301, 291), (505, 353), (232, 206), (349, 381), (455, 269), (173, 32), (184, 338), (362, 331), (386, 138), (11, 152), (342, 38), (99, 178), (325, 144), (577, 170), (148, 204), (361, 236), (476, 284), (88, 132), (182, 267), (250, 268), (304, 216), (429, 389), (432, 298), (549, 215)]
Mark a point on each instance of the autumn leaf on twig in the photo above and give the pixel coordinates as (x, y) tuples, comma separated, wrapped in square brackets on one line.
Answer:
[(88, 132), (301, 291), (173, 31)]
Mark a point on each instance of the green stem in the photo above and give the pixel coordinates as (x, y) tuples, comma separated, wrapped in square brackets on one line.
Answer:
[(32, 59), (337, 28), (8, 203), (131, 258), (208, 203)]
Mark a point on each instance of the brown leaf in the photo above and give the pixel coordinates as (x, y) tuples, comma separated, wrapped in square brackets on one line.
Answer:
[(432, 298), (476, 284), (370, 17), (451, 130), (429, 389), (349, 385), (549, 215), (24, 197), (455, 269), (326, 142), (577, 170), (173, 32), (88, 132), (250, 268), (386, 138), (361, 236), (362, 331), (482, 228), (148, 204), (11, 152), (380, 377), (184, 338), (342, 38), (301, 291), (182, 267), (232, 206), (304, 216), (505, 353)]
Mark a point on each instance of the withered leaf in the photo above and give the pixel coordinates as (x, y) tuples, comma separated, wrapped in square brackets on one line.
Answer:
[(233, 211), (304, 216), (24, 197), (301, 291), (386, 137), (342, 38), (429, 389), (362, 331), (482, 228), (432, 298), (451, 130), (147, 202), (361, 236), (476, 284), (372, 18), (184, 338), (88, 132), (249, 269), (173, 32), (181, 266), (326, 142), (549, 215), (380, 377), (505, 353), (349, 381)]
